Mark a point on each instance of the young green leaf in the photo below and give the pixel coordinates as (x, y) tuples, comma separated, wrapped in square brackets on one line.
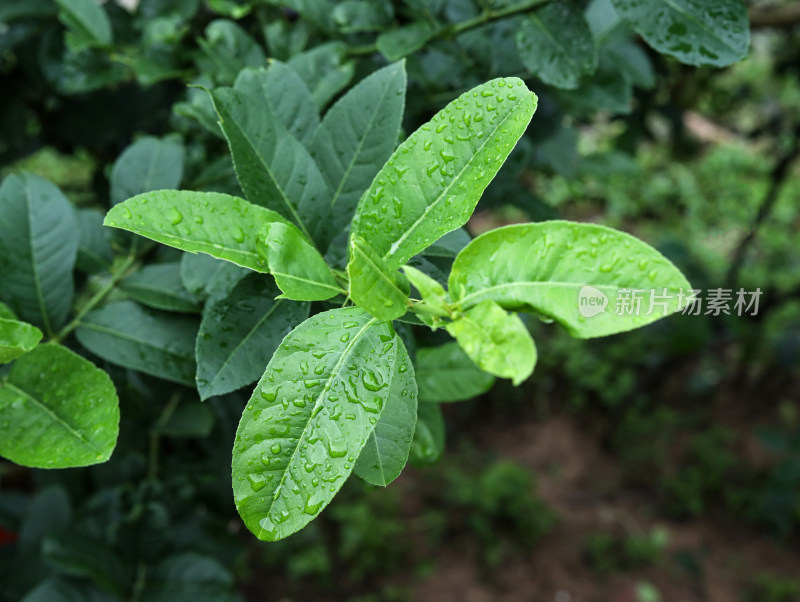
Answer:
[(386, 451), (556, 44), (309, 417), (38, 246), (57, 410), (273, 168), (433, 293), (299, 270), (286, 95), (402, 41), (428, 444), (696, 32), (146, 165), (498, 342), (87, 22), (221, 225), (584, 276), (357, 136), (156, 343), (445, 373), (240, 333), (325, 69), (16, 339), (6, 313), (160, 286), (375, 286), (433, 181)]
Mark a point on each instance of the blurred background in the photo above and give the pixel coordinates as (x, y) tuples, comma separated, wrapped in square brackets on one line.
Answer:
[(656, 465)]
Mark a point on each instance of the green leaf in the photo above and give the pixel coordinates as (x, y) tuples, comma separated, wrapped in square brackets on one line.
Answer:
[(228, 49), (156, 343), (159, 286), (286, 95), (59, 589), (428, 443), (433, 293), (48, 511), (374, 285), (359, 16), (190, 577), (357, 136), (221, 225), (38, 246), (87, 22), (433, 181), (208, 277), (449, 245), (498, 342), (57, 410), (566, 266), (78, 554), (299, 270), (146, 165), (446, 373), (16, 339), (696, 32), (325, 69), (6, 313), (402, 41), (240, 333), (94, 250), (556, 44), (309, 417), (386, 451), (190, 419), (273, 168)]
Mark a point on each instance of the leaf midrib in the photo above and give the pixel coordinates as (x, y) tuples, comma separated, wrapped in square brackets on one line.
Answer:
[(55, 417), (396, 245), (320, 399)]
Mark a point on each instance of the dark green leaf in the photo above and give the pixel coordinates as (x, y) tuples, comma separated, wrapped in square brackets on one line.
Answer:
[(696, 32), (159, 286), (49, 511), (273, 168), (358, 16), (208, 277), (156, 343), (433, 181), (57, 410), (374, 285), (286, 94), (190, 577), (190, 419), (402, 41), (240, 333), (312, 412), (428, 443), (80, 555), (556, 44), (228, 49), (357, 136), (325, 69), (94, 250), (38, 246), (146, 165), (446, 373), (568, 264), (87, 22)]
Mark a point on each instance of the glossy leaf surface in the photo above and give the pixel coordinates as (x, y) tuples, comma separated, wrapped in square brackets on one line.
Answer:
[(583, 276), (374, 285), (310, 415), (433, 181), (16, 339), (57, 410)]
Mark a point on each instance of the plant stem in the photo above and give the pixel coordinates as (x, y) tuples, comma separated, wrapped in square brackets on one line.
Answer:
[(128, 265), (155, 434), (487, 16)]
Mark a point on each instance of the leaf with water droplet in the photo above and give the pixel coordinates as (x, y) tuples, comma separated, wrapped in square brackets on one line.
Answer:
[(321, 436), (375, 286), (57, 410), (442, 200), (229, 230), (561, 278)]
